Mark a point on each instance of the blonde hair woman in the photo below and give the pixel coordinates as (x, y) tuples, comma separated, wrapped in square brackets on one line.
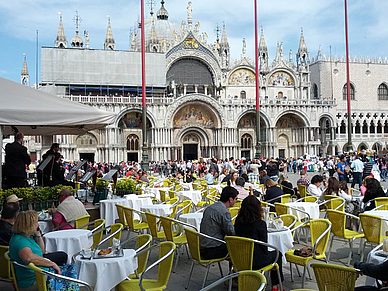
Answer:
[(272, 192), (27, 246)]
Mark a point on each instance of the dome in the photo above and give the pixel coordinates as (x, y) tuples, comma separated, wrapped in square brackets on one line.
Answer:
[(164, 29), (77, 41), (162, 12)]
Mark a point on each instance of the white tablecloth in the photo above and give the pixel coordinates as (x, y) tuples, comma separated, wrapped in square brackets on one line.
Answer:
[(187, 186), (282, 240), (383, 214), (311, 208), (158, 209), (108, 209), (46, 226), (193, 195), (218, 187), (192, 218), (105, 274), (375, 259), (156, 193), (71, 241)]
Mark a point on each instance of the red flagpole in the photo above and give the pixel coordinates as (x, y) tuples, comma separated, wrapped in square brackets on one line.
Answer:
[(350, 147)]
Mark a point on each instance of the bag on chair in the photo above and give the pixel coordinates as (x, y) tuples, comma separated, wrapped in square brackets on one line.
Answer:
[(55, 284)]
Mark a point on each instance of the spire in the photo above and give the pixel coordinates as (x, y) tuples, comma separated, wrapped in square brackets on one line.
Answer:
[(262, 45), (189, 16), (24, 76), (302, 44), (154, 37), (224, 38), (162, 12), (61, 38), (76, 41), (25, 70), (109, 40)]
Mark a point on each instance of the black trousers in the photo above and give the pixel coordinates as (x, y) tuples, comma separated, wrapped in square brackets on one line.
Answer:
[(214, 253), (357, 179), (262, 261), (60, 258)]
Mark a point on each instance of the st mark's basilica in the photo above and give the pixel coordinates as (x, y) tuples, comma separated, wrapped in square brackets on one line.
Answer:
[(201, 102)]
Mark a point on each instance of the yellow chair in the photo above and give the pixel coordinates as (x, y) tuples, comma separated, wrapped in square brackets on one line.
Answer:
[(238, 203), (143, 242), (153, 226), (204, 201), (99, 225), (163, 195), (233, 213), (166, 257), (320, 233), (167, 183), (40, 276), (171, 193), (338, 221), (193, 242), (302, 190), (334, 277), (184, 207), (247, 281), (281, 208), (178, 188), (285, 198), (372, 227), (120, 212), (113, 228), (289, 220), (311, 199), (172, 200), (5, 266), (178, 240), (82, 222), (241, 250), (336, 204), (11, 271), (134, 224), (381, 203)]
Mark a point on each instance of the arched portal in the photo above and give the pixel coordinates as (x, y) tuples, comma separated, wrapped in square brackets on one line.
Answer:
[(86, 144), (290, 133), (362, 146), (193, 144), (133, 147)]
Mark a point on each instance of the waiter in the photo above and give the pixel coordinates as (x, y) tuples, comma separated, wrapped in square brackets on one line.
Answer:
[(16, 160)]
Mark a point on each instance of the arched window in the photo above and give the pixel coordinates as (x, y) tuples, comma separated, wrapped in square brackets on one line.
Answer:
[(345, 93), (246, 141), (315, 91), (379, 127), (132, 142), (383, 92), (243, 95), (357, 128), (372, 127), (343, 127), (365, 127)]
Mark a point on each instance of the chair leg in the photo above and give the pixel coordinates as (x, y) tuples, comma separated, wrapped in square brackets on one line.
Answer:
[(331, 245), (219, 266), (350, 252), (304, 276), (177, 258), (292, 277), (191, 272), (296, 266), (207, 272), (308, 272), (187, 252), (280, 279), (363, 251)]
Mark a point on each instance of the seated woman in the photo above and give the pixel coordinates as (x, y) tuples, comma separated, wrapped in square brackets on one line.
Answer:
[(363, 187), (263, 176), (333, 188), (272, 192), (373, 190), (287, 185), (27, 246), (249, 224)]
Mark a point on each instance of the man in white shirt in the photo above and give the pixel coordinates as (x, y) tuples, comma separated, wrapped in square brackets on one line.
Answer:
[(358, 167), (231, 167), (314, 188)]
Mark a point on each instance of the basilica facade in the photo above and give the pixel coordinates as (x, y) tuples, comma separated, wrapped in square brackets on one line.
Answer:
[(201, 102)]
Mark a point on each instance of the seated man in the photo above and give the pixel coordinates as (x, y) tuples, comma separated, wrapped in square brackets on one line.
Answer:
[(242, 192), (217, 223), (8, 215), (68, 210), (379, 272)]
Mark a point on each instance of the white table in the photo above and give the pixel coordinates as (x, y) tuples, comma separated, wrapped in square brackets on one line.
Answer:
[(193, 195), (311, 208), (219, 187), (282, 240), (71, 241), (105, 274), (158, 209), (192, 218), (375, 259), (187, 186), (46, 225), (155, 191), (108, 209), (383, 214)]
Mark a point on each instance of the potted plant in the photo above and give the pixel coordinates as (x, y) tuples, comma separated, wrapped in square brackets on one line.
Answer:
[(125, 186), (101, 191)]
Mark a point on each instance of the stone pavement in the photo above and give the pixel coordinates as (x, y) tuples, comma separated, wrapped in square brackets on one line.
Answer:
[(178, 280)]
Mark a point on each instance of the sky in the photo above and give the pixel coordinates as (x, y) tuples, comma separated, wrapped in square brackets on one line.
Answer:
[(281, 20)]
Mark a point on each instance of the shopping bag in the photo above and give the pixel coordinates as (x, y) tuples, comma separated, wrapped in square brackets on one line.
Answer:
[(55, 284)]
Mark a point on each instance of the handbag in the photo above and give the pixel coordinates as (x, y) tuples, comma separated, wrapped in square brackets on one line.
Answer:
[(55, 284)]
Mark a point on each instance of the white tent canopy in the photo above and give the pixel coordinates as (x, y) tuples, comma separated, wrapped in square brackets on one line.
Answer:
[(34, 112)]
